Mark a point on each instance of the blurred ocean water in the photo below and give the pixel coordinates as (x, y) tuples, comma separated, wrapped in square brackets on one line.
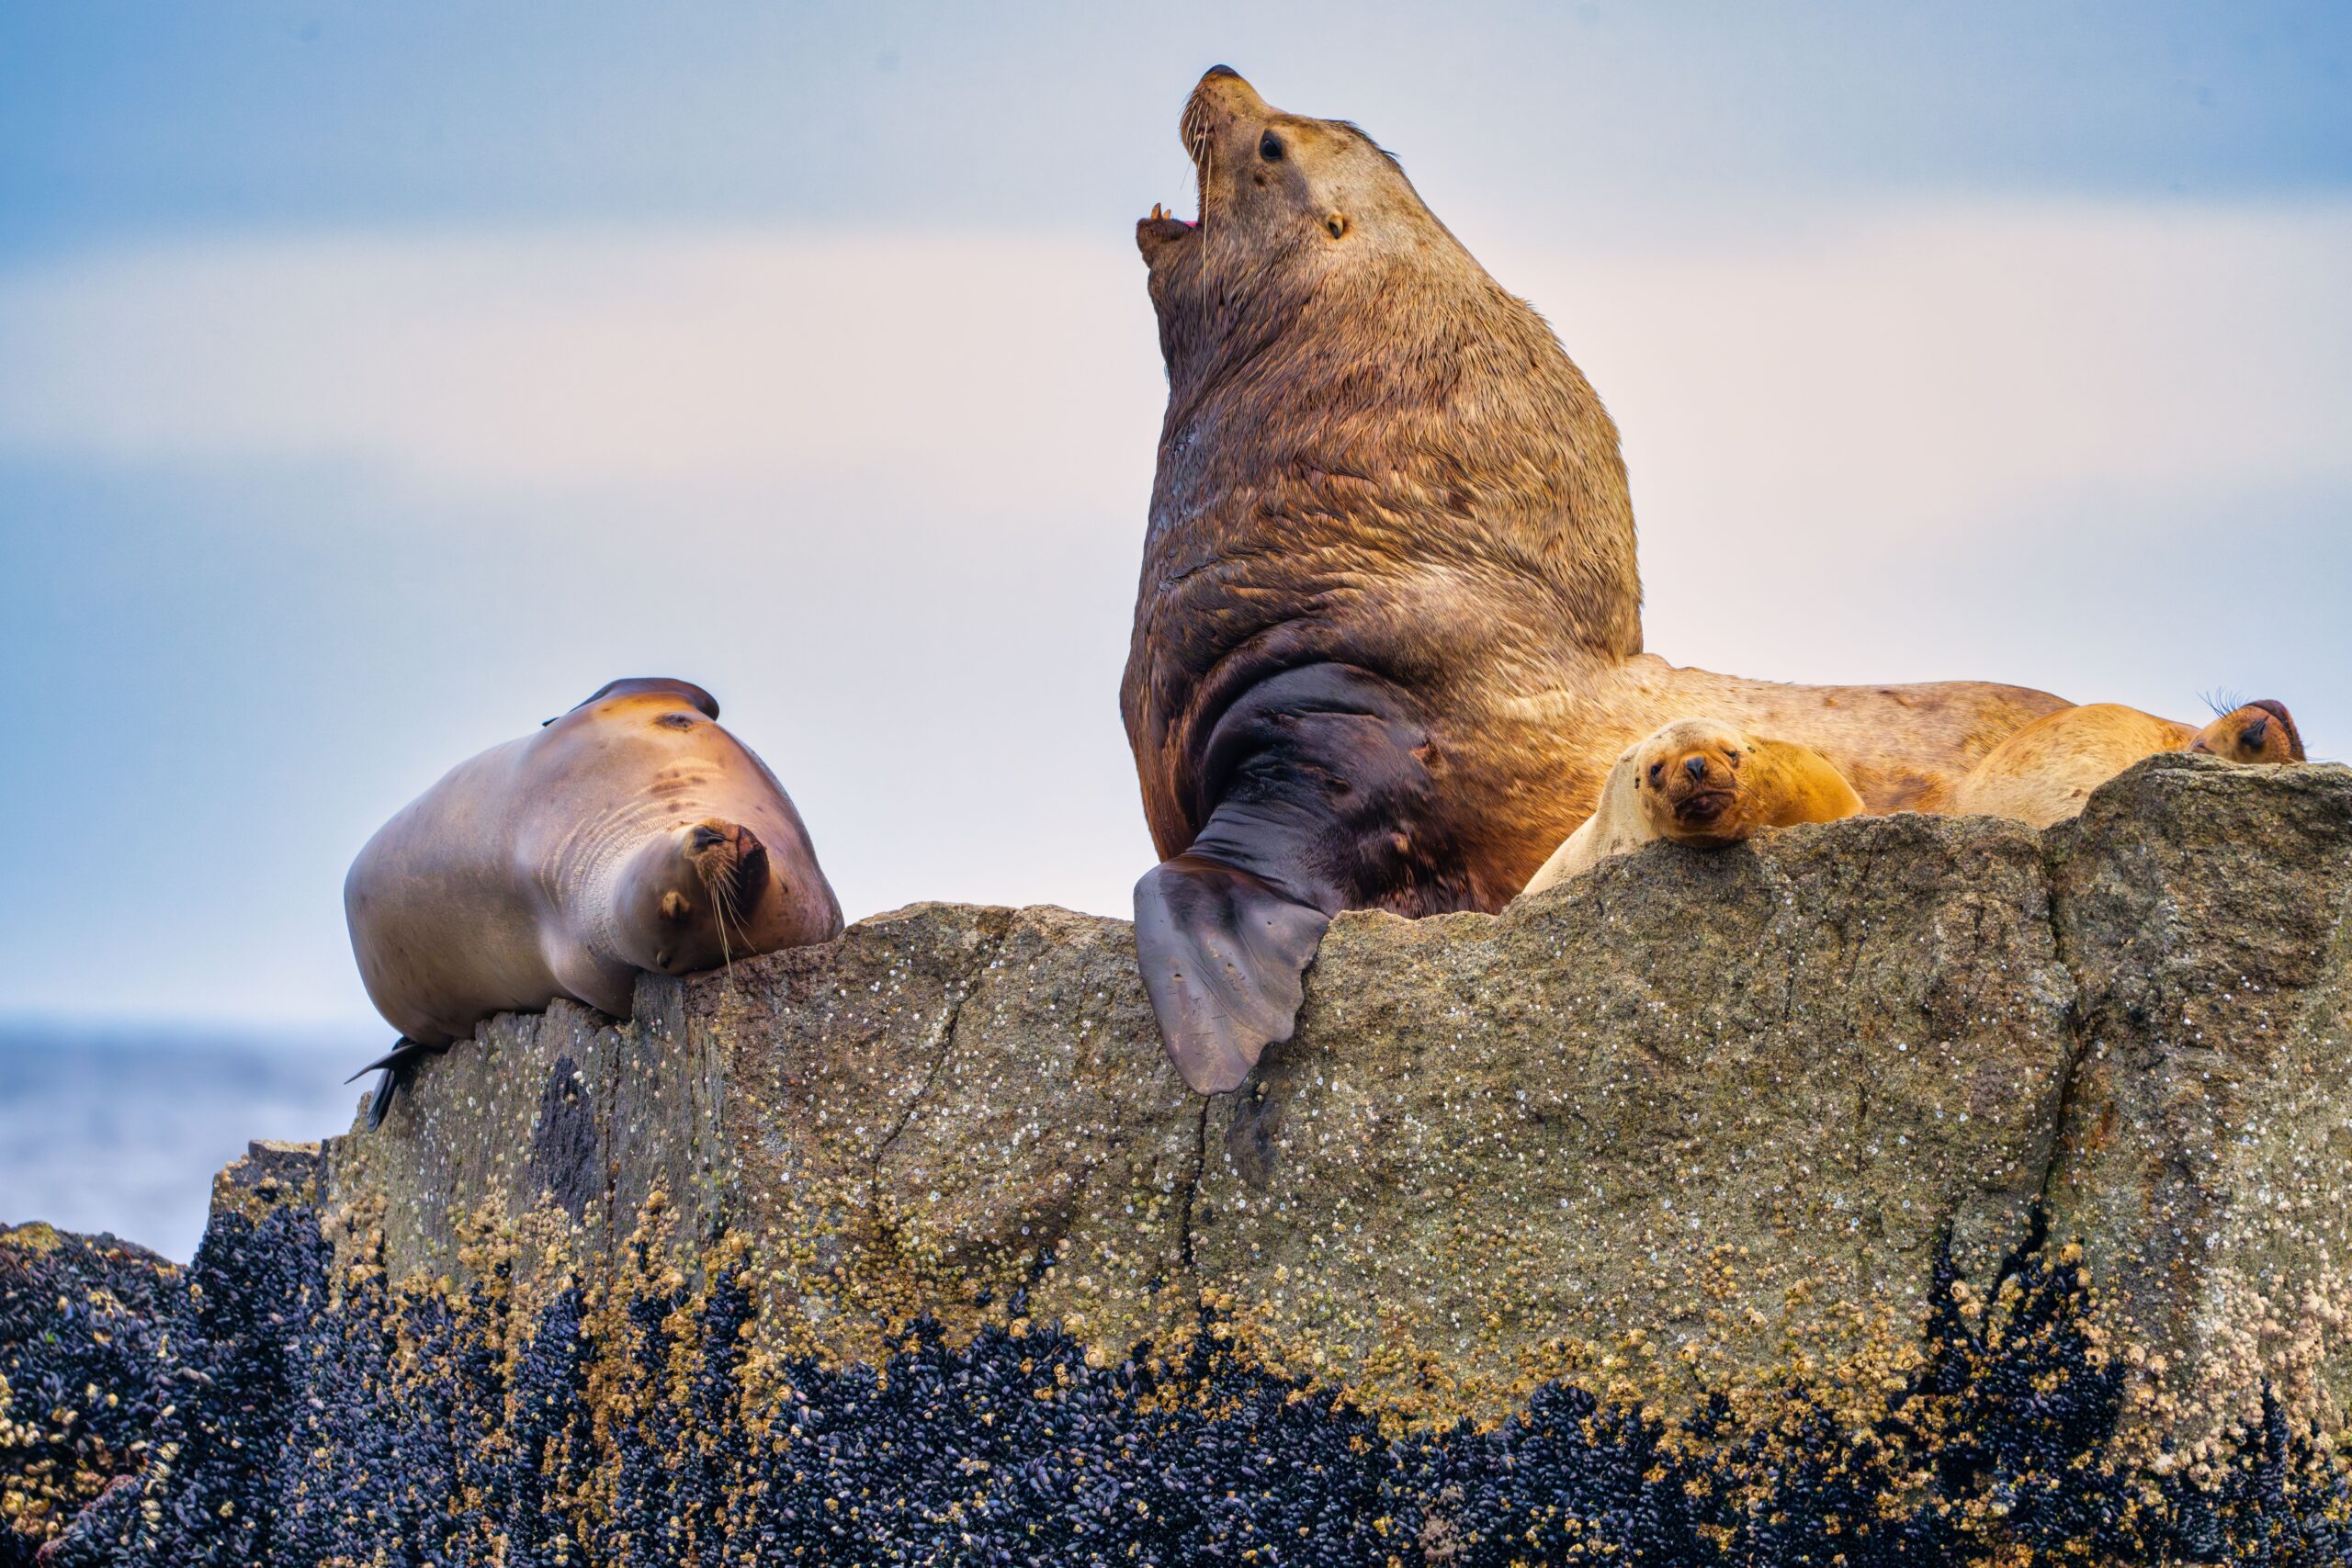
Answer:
[(122, 1128)]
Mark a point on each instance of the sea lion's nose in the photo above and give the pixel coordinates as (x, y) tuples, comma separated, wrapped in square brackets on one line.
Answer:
[(1695, 766), (703, 838), (1229, 90), (2256, 734)]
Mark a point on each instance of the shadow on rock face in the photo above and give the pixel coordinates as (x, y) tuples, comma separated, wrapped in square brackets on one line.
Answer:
[(566, 1155)]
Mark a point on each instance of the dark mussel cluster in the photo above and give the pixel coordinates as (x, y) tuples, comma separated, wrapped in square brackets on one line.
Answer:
[(256, 1421)]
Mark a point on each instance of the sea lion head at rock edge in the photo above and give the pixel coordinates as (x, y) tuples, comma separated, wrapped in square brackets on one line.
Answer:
[(1687, 776), (689, 899), (2260, 731), (699, 892)]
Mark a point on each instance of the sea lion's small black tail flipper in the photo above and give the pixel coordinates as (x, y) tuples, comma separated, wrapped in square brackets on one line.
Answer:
[(396, 1065), (1225, 960)]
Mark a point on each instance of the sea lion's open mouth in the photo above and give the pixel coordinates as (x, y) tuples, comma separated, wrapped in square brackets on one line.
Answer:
[(1196, 132)]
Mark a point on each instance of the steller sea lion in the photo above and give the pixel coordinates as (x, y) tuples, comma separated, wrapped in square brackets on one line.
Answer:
[(2260, 731), (1387, 637), (1703, 782), (632, 834), (2046, 771)]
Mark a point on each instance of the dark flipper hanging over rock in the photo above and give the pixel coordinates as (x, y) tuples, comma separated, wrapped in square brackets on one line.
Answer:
[(1323, 801), (1225, 959), (398, 1066)]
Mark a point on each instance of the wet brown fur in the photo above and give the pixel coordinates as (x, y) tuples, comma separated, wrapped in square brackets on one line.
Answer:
[(1376, 457)]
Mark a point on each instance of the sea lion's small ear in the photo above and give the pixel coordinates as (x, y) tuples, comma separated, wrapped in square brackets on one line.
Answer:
[(1337, 224), (635, 685)]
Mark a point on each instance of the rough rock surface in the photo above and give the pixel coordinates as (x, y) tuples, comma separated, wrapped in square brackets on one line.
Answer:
[(2207, 1158), (1690, 1211), (1722, 1105)]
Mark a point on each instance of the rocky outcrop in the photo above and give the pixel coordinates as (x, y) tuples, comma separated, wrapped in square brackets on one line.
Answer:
[(1721, 1107), (1906, 1189), (2206, 1155)]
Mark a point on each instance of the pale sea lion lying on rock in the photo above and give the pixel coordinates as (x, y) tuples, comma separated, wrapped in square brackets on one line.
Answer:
[(1705, 784), (1387, 639), (631, 835), (2046, 771)]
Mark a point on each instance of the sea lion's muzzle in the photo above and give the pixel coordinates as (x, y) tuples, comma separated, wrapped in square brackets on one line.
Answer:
[(1699, 790), (1221, 97), (1701, 808), (1221, 101), (730, 861)]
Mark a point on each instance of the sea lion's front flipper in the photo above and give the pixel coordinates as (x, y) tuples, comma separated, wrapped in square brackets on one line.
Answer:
[(1225, 959), (1322, 801), (396, 1065)]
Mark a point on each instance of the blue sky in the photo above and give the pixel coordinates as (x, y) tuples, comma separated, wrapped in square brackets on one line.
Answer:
[(378, 380)]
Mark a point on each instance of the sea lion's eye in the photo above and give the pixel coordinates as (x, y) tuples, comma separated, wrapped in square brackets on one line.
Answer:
[(1658, 771), (1269, 148)]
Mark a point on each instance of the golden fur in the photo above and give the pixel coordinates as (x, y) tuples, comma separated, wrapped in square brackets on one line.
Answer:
[(2045, 771), (1374, 456), (2261, 731), (1703, 782)]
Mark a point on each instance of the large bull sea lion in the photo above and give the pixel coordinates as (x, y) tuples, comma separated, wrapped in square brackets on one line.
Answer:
[(1387, 639), (631, 835)]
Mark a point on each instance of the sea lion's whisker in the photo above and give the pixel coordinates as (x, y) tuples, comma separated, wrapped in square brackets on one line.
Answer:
[(719, 890)]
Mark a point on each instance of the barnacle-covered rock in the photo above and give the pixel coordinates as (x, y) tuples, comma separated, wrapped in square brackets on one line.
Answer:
[(1722, 1104), (2206, 913), (1904, 1190)]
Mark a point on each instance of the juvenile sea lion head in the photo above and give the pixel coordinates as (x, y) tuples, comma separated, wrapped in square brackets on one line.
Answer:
[(689, 899), (2260, 731), (1687, 777)]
